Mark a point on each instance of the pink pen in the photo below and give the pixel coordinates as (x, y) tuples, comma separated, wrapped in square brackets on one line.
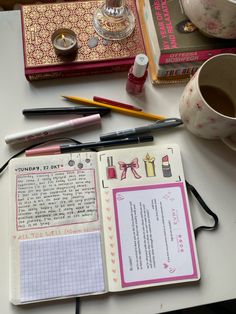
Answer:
[(53, 129), (116, 103)]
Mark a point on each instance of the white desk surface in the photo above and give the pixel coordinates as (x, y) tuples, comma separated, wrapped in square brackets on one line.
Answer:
[(209, 166)]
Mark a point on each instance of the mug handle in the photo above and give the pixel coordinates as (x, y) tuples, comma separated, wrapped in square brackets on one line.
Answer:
[(230, 141)]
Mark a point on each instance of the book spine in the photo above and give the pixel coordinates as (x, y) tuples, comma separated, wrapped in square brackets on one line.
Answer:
[(153, 66), (162, 18), (177, 70), (62, 74), (141, 13), (193, 56), (172, 80)]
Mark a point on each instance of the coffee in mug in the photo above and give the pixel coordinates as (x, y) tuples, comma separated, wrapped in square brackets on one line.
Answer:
[(208, 103), (218, 100)]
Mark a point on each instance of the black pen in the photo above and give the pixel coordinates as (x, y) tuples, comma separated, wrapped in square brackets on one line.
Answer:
[(65, 110), (59, 149), (170, 122)]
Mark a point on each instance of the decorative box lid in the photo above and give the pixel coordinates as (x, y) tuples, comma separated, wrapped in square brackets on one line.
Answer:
[(39, 21)]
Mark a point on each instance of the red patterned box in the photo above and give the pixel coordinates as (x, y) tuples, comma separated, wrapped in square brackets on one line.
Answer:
[(39, 21)]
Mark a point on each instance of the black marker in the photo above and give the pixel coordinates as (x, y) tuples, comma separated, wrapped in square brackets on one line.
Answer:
[(85, 111), (59, 149)]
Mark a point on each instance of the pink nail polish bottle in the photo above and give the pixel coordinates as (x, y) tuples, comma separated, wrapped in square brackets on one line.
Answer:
[(137, 75)]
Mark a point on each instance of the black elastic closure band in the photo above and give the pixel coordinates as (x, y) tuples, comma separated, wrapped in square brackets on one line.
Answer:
[(192, 189), (77, 305)]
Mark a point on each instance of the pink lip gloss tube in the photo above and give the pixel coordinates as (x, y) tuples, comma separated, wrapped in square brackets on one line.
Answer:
[(166, 169), (53, 129), (137, 75)]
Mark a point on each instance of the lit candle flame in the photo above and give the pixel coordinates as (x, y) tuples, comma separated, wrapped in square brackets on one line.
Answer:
[(64, 39)]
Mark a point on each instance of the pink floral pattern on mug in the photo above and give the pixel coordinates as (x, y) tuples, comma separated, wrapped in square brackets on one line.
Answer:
[(199, 118), (212, 25), (208, 3), (200, 105), (212, 120), (215, 18), (193, 111)]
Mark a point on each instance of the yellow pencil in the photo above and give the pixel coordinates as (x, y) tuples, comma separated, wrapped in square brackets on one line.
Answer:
[(138, 114)]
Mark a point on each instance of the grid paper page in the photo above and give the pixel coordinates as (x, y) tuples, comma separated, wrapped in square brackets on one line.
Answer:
[(61, 266)]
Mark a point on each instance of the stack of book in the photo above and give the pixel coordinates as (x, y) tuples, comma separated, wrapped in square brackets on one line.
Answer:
[(95, 54), (175, 47)]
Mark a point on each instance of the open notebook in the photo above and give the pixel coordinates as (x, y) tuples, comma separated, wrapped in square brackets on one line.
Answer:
[(90, 223)]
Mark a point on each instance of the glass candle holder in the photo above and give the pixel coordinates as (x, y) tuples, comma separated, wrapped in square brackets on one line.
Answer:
[(114, 20)]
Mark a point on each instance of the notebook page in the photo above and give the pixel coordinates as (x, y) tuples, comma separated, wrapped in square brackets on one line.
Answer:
[(51, 196), (61, 266), (131, 181)]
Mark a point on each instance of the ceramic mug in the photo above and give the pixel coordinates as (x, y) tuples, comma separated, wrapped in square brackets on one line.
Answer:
[(208, 103), (215, 18)]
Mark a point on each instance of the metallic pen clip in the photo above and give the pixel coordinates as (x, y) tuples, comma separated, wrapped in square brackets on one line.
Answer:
[(170, 122)]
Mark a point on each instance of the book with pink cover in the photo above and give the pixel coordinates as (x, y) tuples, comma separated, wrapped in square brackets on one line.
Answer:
[(95, 54), (154, 67), (174, 39), (90, 223)]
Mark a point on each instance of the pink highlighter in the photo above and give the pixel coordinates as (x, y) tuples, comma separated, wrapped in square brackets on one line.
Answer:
[(137, 75)]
